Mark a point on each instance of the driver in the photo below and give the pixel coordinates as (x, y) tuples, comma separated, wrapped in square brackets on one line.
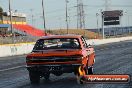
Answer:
[(72, 43)]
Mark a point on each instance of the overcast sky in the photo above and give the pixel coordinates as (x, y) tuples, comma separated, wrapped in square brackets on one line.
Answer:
[(55, 11)]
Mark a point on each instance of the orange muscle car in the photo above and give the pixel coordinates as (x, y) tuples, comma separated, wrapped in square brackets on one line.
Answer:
[(58, 54)]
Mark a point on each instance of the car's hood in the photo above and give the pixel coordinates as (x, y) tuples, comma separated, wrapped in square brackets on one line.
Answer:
[(45, 53)]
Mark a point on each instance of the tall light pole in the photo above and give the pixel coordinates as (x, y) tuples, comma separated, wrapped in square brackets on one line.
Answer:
[(13, 35), (67, 16), (44, 17)]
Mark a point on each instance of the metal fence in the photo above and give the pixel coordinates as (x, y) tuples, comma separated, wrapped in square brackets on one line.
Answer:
[(16, 39), (114, 31)]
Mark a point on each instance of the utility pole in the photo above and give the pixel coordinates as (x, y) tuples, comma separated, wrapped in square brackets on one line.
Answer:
[(13, 35), (80, 15), (44, 18), (102, 16), (97, 23), (103, 26), (107, 8), (67, 26)]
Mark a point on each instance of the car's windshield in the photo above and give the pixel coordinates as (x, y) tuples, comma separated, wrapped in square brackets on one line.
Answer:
[(57, 43)]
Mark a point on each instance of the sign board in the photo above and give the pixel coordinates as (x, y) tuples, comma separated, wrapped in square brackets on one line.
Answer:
[(114, 13), (111, 18), (112, 23)]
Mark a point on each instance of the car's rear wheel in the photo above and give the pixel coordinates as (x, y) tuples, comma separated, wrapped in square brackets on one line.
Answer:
[(80, 80), (34, 77)]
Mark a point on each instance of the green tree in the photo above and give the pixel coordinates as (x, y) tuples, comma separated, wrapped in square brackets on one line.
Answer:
[(1, 11)]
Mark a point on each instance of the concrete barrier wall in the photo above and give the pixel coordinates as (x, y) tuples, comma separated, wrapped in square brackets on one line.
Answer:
[(15, 49), (25, 48)]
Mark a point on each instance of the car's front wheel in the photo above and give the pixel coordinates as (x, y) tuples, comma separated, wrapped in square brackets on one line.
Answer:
[(34, 77)]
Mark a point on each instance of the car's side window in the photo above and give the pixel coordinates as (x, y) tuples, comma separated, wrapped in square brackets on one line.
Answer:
[(84, 42)]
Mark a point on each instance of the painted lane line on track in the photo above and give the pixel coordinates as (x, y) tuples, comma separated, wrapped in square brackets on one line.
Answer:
[(102, 49), (12, 68), (107, 48), (118, 46)]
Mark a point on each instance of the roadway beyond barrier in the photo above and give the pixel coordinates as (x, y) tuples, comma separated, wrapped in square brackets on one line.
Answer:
[(105, 41), (25, 48)]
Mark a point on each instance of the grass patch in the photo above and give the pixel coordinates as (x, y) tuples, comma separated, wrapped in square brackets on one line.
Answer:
[(85, 33)]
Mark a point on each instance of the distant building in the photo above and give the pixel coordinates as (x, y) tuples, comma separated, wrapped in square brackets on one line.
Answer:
[(20, 26), (17, 18)]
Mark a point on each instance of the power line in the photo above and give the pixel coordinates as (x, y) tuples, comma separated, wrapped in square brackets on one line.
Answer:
[(80, 15), (110, 5)]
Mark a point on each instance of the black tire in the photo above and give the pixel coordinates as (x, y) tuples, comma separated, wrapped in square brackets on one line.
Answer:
[(81, 80), (86, 70), (34, 77), (46, 76), (90, 70)]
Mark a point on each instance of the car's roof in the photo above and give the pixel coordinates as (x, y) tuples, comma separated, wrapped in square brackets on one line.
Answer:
[(61, 36)]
